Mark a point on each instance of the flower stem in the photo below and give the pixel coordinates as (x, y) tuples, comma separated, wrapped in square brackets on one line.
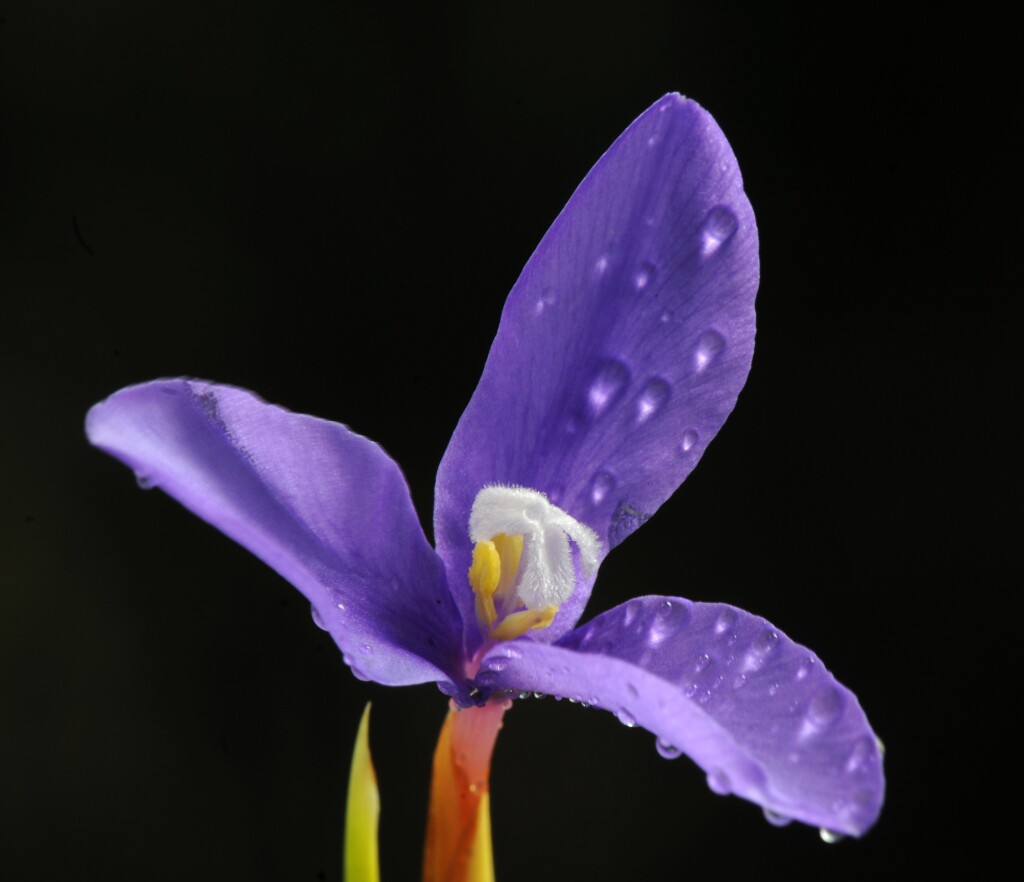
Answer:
[(458, 845)]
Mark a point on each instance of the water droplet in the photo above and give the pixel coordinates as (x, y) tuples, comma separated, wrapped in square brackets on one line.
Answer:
[(601, 485), (666, 750), (545, 300), (689, 440), (691, 690), (718, 228), (826, 707), (651, 141), (709, 347), (719, 782), (740, 681), (726, 621), (602, 265), (806, 666), (539, 695), (702, 662), (631, 611), (512, 652), (775, 819), (144, 482), (319, 622), (773, 689), (608, 384), (644, 276), (765, 642), (704, 697), (341, 607), (860, 754), (447, 688), (651, 399), (366, 649), (667, 619), (626, 718), (830, 837)]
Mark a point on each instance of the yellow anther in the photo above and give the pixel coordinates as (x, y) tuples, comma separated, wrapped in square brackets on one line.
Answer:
[(510, 549), (484, 576), (519, 623)]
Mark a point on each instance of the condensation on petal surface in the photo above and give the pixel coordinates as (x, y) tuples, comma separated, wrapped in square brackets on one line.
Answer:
[(759, 713)]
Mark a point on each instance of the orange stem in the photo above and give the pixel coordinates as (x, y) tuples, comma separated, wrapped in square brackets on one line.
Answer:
[(461, 778)]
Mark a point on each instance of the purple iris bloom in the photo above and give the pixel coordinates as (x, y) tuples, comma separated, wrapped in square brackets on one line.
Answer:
[(621, 351)]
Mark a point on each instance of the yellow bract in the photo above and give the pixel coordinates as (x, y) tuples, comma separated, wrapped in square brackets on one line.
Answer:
[(362, 812)]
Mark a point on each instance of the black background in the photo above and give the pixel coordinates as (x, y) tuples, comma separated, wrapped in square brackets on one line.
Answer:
[(182, 184)]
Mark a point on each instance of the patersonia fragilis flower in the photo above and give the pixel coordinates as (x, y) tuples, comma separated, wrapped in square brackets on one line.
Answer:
[(622, 349)]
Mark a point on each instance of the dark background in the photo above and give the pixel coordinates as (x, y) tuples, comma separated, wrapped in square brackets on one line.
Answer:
[(181, 184)]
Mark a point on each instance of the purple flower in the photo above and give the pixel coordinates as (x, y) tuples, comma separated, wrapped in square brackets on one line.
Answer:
[(621, 351)]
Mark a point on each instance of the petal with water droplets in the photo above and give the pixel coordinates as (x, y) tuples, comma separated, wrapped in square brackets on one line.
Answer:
[(758, 712), (622, 347), (326, 508)]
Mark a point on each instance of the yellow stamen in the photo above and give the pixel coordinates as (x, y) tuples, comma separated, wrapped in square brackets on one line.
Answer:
[(510, 549), (519, 623), (484, 576)]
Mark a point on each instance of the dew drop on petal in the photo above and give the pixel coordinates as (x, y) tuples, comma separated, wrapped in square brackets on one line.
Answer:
[(775, 819), (719, 782), (607, 385), (709, 347), (543, 302), (688, 441), (666, 750), (718, 228), (631, 611), (765, 642), (602, 265), (806, 666), (826, 707), (830, 836), (643, 276), (366, 649), (668, 618), (626, 718), (703, 660), (651, 399), (144, 482), (726, 621), (860, 755), (317, 620), (600, 486)]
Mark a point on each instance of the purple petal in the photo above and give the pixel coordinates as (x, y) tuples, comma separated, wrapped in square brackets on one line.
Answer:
[(623, 345), (758, 712), (326, 508)]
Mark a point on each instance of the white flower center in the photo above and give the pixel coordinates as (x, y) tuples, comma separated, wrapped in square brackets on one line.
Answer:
[(546, 576)]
